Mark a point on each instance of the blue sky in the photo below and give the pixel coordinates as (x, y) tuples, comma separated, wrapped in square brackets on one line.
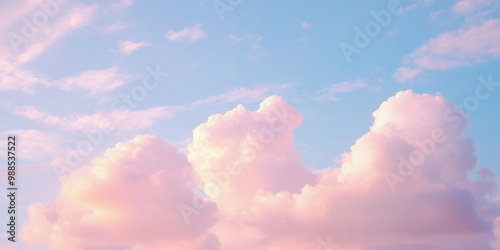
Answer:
[(62, 81)]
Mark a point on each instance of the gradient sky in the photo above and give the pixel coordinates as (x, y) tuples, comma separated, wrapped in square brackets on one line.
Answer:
[(60, 80)]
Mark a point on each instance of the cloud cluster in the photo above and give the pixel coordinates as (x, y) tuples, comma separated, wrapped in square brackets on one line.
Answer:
[(242, 186)]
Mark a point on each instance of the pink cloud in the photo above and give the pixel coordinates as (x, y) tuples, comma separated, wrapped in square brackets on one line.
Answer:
[(458, 48), (404, 74), (464, 7), (260, 196), (95, 81), (129, 196), (18, 50), (37, 145), (192, 34), (76, 17), (113, 121), (128, 47)]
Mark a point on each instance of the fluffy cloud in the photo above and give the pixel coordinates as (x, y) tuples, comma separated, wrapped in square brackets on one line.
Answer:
[(129, 196), (403, 185)]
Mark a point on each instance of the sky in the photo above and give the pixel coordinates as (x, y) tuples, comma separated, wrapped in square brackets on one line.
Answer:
[(236, 124)]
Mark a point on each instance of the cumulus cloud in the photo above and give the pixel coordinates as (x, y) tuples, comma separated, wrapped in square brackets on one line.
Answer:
[(403, 185), (462, 47), (127, 197), (192, 34)]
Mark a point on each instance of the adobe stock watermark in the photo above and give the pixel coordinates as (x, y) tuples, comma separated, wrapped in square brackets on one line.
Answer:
[(280, 119), (456, 118), (326, 244), (363, 38), (31, 26), (94, 138), (223, 6)]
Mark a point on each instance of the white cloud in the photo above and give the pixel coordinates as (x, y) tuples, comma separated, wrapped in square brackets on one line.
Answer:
[(331, 92), (128, 47), (113, 27), (306, 25), (404, 74), (192, 34), (242, 95), (234, 39), (256, 50)]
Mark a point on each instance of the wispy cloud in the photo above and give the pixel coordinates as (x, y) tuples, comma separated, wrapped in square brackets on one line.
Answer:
[(113, 27), (120, 4), (15, 78), (242, 94), (462, 47), (234, 39), (192, 34), (256, 50), (404, 74), (331, 92), (128, 47), (77, 17), (116, 120), (466, 7), (94, 81), (127, 120), (37, 145), (21, 50), (305, 25)]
